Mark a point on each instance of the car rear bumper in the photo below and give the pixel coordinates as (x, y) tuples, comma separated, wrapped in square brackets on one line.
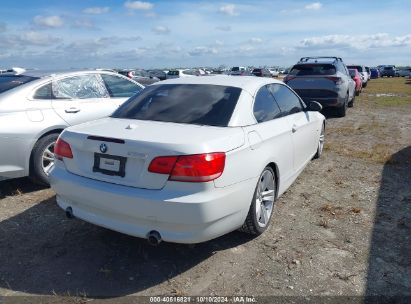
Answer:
[(326, 102), (179, 215)]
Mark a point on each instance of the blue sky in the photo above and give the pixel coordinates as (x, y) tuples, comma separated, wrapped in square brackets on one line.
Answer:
[(107, 33)]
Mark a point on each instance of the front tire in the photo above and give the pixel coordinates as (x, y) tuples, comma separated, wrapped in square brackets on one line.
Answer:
[(43, 158), (261, 209)]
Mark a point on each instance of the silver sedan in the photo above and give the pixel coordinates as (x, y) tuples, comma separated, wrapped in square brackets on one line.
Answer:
[(36, 106)]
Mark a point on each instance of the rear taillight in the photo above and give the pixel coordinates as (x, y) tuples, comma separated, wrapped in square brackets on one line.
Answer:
[(162, 164), (130, 74), (62, 150), (190, 168), (336, 80)]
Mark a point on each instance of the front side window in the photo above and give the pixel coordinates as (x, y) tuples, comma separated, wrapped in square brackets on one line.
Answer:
[(79, 87), (288, 102), (210, 105), (120, 87), (265, 107), (43, 92)]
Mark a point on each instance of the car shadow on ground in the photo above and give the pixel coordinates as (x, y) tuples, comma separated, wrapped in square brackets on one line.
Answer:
[(44, 253), (389, 270), (18, 186), (408, 81)]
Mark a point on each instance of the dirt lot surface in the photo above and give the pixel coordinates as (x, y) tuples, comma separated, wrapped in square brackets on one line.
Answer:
[(343, 228)]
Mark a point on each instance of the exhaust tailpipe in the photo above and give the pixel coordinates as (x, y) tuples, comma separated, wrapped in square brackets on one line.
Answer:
[(69, 213), (154, 238)]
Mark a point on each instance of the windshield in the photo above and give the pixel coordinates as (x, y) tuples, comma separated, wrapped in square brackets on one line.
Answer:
[(210, 105), (8, 82), (312, 69), (357, 67)]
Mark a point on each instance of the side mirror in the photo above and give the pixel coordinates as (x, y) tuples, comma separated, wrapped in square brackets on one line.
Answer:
[(314, 106)]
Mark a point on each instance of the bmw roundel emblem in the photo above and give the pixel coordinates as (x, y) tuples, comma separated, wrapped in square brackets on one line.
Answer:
[(103, 148)]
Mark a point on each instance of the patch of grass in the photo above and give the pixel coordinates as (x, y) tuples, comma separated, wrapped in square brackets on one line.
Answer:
[(379, 153), (393, 101), (396, 86), (368, 127)]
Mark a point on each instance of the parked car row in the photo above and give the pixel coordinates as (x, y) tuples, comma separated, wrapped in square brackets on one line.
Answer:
[(165, 161)]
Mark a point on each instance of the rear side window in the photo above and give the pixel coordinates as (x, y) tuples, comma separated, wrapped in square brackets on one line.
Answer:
[(120, 87), (13, 81), (79, 87), (210, 105), (288, 102), (265, 107), (43, 92), (173, 73), (313, 69)]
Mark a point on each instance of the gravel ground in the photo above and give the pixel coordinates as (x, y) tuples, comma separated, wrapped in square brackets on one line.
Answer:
[(342, 229)]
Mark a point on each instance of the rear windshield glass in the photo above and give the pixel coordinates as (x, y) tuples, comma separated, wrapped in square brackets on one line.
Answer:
[(12, 81), (173, 73), (312, 69), (357, 67), (235, 69), (388, 68), (210, 105), (352, 72)]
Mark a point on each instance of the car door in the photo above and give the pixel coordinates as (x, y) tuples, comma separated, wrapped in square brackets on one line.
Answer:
[(81, 98), (120, 88), (302, 123), (270, 139)]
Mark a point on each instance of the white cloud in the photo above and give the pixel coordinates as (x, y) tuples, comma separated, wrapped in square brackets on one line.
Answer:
[(229, 9), (202, 50), (360, 42), (161, 30), (255, 40), (83, 23), (97, 10), (224, 28), (49, 21), (3, 27), (315, 6), (138, 5)]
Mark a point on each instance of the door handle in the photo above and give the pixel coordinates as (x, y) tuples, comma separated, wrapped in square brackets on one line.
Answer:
[(72, 110), (294, 128)]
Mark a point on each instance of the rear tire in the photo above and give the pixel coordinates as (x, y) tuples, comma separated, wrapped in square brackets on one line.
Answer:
[(351, 103), (320, 147), (262, 205), (342, 111), (42, 158), (364, 84)]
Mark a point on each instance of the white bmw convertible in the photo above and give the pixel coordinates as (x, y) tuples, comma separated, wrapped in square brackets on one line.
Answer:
[(187, 160)]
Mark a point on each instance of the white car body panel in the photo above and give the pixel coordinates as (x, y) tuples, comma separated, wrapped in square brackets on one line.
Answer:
[(183, 212), (23, 119)]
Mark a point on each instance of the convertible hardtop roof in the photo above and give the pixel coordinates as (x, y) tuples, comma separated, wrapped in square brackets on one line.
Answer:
[(248, 83), (49, 73)]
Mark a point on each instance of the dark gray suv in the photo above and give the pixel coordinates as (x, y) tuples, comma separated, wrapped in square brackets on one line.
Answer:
[(323, 79)]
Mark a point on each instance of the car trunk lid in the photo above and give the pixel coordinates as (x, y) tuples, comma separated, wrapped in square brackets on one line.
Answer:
[(126, 147)]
